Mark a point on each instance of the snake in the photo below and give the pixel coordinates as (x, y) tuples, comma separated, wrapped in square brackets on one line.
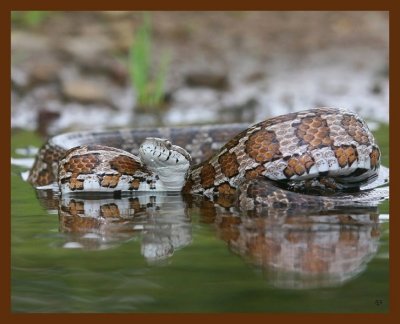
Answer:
[(322, 150)]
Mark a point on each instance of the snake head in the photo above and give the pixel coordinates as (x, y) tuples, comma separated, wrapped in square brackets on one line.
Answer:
[(169, 162)]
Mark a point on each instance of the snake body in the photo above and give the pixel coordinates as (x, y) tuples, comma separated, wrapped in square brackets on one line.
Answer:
[(328, 148)]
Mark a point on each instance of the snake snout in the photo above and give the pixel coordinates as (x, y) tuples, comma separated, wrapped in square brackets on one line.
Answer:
[(160, 152)]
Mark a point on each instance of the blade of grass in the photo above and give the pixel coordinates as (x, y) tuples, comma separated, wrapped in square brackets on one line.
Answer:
[(149, 90), (160, 81)]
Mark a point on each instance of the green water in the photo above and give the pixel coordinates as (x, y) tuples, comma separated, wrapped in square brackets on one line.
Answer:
[(219, 264)]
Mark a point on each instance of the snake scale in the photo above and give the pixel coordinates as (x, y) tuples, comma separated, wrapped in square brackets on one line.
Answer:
[(277, 161)]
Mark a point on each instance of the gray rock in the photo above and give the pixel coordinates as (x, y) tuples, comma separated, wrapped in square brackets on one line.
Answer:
[(28, 43), (84, 49)]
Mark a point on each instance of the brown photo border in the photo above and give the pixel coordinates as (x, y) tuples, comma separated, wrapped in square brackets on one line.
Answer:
[(204, 5)]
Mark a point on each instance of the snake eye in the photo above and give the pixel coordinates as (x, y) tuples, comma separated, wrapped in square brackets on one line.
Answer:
[(168, 144)]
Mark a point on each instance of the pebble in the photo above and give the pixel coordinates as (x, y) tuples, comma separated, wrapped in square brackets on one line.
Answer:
[(84, 91), (217, 81), (42, 72), (84, 49), (29, 43)]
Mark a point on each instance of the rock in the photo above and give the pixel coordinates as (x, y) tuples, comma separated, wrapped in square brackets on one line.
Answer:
[(207, 79), (109, 67), (45, 71), (255, 76), (84, 49), (19, 79), (122, 34), (44, 120), (376, 89), (84, 91), (33, 72), (117, 71), (28, 43)]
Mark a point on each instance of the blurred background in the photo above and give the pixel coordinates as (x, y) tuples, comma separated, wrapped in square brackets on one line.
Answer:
[(117, 69)]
